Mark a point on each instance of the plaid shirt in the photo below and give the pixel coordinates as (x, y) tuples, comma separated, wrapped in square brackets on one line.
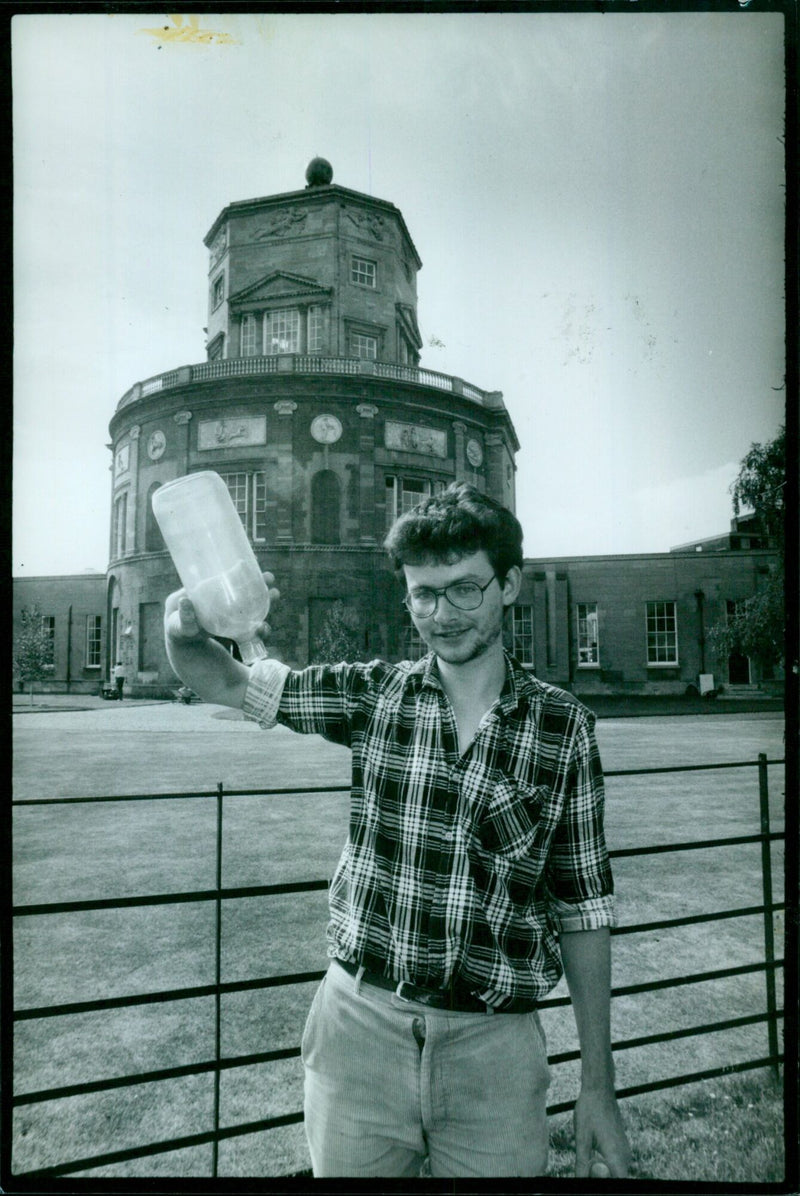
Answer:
[(455, 865)]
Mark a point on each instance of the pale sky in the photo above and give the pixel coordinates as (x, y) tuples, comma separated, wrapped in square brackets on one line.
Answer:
[(597, 201)]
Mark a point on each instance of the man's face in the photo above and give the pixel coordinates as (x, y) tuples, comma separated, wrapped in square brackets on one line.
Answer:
[(459, 636)]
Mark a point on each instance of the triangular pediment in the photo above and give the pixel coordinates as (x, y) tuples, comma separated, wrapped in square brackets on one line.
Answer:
[(280, 285)]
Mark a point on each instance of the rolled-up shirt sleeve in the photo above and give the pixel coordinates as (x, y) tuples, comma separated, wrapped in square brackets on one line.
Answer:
[(318, 700), (262, 697), (579, 880)]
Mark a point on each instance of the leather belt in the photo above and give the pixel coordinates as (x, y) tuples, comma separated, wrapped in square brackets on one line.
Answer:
[(455, 999)]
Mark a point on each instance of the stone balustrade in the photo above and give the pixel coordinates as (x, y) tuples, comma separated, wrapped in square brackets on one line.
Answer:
[(300, 363)]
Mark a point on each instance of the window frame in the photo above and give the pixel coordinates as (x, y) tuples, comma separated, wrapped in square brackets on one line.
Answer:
[(268, 337), (120, 527), (248, 335), (367, 341), (218, 291), (658, 638), (414, 646), (250, 498), (522, 613), (395, 485), (93, 642), (315, 329), (581, 637), (49, 626), (358, 275)]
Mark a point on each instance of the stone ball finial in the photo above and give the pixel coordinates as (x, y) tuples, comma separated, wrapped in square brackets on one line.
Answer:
[(319, 172)]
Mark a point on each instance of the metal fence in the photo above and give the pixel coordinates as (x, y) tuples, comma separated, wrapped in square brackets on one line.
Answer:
[(219, 894)]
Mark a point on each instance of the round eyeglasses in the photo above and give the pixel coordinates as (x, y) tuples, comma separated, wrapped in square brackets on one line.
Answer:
[(463, 595)]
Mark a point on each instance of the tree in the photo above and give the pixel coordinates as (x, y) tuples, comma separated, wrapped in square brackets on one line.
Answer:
[(339, 638), (756, 628), (33, 648), (759, 486)]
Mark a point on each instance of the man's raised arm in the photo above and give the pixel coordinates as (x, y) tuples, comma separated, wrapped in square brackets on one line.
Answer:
[(200, 661)]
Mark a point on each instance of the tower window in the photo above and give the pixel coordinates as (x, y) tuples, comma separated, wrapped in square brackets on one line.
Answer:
[(249, 494), (363, 272), (314, 330), (363, 346), (249, 344), (282, 331), (120, 524), (404, 493), (217, 291)]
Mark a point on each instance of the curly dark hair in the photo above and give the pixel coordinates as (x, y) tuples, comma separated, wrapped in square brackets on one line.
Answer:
[(456, 523)]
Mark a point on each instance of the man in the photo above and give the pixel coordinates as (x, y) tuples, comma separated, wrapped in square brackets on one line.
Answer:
[(119, 677), (475, 864)]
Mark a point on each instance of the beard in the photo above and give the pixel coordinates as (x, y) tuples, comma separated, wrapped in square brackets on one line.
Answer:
[(464, 647)]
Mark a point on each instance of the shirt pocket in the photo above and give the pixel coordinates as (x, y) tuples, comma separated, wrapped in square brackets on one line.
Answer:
[(511, 821)]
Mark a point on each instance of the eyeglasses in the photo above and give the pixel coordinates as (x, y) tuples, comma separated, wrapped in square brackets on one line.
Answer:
[(463, 595)]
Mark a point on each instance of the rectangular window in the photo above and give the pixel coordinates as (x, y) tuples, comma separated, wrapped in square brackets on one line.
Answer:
[(662, 633), (282, 331), (249, 494), (120, 524), (237, 488), (249, 345), (217, 291), (363, 272), (522, 630), (588, 636), (365, 347), (49, 628), (414, 646), (314, 330), (260, 505), (404, 493), (94, 639)]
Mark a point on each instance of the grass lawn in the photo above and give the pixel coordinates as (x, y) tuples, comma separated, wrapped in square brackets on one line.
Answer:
[(93, 851)]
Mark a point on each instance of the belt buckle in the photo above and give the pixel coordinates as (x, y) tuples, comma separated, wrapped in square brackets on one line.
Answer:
[(417, 995), (399, 992)]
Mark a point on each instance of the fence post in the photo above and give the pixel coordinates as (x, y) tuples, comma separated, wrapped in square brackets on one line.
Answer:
[(217, 982), (769, 934)]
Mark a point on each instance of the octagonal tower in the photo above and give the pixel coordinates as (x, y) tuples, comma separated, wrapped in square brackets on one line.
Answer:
[(314, 409)]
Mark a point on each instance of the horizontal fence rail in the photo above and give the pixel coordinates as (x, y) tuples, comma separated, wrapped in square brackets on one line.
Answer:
[(219, 1064)]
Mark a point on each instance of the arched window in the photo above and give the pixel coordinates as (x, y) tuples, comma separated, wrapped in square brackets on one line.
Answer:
[(325, 508), (153, 540)]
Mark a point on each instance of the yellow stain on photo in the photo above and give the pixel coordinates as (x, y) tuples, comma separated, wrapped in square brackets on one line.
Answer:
[(186, 30)]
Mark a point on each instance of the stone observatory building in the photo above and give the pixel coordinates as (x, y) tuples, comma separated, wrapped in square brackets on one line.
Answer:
[(312, 406)]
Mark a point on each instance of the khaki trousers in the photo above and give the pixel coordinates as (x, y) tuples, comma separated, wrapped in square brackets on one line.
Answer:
[(390, 1082)]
